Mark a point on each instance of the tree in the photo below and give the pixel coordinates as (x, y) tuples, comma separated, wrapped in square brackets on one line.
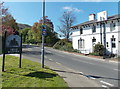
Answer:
[(66, 20), (50, 38), (24, 33), (8, 23)]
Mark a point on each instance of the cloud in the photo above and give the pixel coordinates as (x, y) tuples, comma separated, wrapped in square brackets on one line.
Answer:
[(72, 9)]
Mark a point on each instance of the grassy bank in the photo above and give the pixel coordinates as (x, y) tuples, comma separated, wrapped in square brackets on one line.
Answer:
[(30, 75)]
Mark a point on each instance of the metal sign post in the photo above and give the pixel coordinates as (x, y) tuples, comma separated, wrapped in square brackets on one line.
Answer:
[(42, 50)]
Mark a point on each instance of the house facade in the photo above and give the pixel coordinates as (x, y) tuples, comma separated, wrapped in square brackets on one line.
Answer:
[(104, 30)]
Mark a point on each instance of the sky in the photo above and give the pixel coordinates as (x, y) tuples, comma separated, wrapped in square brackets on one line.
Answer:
[(31, 12)]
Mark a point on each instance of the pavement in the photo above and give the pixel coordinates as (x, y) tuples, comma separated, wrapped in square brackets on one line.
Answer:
[(71, 77)]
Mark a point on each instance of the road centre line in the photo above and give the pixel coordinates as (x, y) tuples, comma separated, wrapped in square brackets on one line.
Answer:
[(50, 59), (117, 69), (104, 86), (58, 63), (107, 83)]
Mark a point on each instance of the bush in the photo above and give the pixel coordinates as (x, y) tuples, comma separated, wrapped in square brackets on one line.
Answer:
[(119, 57), (64, 44), (99, 49)]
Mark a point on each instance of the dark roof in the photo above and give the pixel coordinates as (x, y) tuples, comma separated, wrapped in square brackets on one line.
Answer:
[(95, 21)]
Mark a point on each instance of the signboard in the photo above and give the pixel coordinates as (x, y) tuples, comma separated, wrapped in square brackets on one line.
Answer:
[(13, 44), (44, 30)]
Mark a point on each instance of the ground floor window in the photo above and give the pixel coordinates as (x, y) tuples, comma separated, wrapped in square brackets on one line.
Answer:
[(81, 43)]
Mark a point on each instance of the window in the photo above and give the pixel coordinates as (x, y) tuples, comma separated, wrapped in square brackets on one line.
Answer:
[(107, 44), (93, 40), (81, 30), (112, 26), (94, 29), (80, 43), (113, 42)]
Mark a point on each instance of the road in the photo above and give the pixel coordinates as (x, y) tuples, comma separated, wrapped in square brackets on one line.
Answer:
[(102, 71)]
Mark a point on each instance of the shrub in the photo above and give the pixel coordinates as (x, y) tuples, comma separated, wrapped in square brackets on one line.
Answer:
[(119, 57), (64, 44), (99, 49)]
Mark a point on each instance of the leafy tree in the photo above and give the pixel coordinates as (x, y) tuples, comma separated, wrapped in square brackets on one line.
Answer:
[(24, 33), (8, 23), (67, 19), (51, 36)]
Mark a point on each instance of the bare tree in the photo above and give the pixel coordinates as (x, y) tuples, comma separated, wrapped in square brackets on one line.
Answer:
[(66, 20)]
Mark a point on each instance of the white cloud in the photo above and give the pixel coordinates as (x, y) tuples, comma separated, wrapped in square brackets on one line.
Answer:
[(72, 9)]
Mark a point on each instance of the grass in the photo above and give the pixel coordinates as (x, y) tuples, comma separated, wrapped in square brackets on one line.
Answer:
[(30, 75)]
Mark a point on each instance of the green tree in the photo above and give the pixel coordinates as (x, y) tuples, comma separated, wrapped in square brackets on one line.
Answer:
[(24, 33), (51, 37)]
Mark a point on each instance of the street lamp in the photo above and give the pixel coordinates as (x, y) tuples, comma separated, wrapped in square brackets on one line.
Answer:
[(42, 50)]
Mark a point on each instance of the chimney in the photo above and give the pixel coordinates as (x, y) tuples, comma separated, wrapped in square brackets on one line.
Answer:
[(91, 17)]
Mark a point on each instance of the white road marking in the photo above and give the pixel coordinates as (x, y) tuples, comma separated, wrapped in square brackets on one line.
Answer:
[(117, 69), (92, 78), (81, 72), (50, 59), (107, 83), (113, 61), (104, 86), (58, 63)]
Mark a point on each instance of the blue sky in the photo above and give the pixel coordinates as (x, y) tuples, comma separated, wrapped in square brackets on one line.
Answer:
[(31, 12)]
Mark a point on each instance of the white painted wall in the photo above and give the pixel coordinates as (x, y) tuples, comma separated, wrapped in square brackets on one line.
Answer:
[(88, 36)]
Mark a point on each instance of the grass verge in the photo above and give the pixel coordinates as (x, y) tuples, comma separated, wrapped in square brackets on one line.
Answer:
[(30, 75)]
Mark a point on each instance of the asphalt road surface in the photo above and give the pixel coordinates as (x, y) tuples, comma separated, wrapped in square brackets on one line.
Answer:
[(102, 71)]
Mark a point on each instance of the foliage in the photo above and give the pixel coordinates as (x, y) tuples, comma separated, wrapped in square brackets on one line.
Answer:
[(8, 22), (34, 35), (99, 49), (25, 34), (30, 75), (67, 19), (118, 56), (64, 44)]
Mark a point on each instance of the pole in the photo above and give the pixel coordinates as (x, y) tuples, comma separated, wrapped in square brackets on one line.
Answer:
[(42, 50), (20, 62), (4, 48), (104, 54)]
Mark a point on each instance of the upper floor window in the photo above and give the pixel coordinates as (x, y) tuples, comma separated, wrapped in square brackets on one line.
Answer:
[(112, 26), (94, 28), (81, 30), (113, 41)]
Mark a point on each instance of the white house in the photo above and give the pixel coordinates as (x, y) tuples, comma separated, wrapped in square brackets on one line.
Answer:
[(104, 30)]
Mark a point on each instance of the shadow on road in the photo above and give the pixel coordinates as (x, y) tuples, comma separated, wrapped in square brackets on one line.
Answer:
[(35, 52), (40, 74), (88, 76), (29, 46)]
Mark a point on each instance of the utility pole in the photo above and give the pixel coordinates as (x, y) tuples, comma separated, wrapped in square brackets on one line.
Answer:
[(104, 37), (42, 50)]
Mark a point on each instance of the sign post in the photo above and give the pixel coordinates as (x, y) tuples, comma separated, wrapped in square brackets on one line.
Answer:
[(43, 35), (3, 63), (12, 45)]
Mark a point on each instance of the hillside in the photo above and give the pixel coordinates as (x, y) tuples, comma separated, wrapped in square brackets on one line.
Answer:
[(22, 26)]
